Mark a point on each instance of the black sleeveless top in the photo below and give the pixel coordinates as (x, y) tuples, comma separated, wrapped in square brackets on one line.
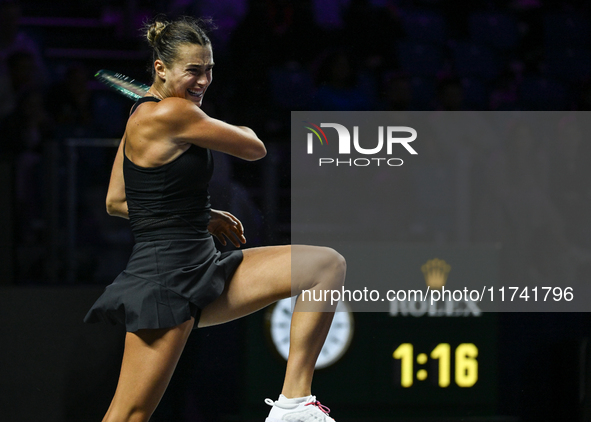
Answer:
[(169, 201)]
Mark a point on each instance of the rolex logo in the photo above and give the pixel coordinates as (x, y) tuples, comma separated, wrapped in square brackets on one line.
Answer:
[(435, 272)]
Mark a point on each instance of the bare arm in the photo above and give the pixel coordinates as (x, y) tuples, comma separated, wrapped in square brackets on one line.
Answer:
[(187, 123), (116, 199)]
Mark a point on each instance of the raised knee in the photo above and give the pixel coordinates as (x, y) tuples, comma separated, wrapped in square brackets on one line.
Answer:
[(340, 266), (336, 266)]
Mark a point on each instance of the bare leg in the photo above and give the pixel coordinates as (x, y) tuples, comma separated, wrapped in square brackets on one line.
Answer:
[(273, 273), (307, 335), (149, 360), (264, 277)]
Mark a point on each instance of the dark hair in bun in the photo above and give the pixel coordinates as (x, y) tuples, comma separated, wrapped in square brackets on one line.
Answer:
[(166, 36)]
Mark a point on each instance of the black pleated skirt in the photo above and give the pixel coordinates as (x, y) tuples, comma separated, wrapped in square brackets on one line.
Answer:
[(166, 282)]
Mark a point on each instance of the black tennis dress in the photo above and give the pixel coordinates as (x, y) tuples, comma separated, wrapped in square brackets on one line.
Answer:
[(174, 270)]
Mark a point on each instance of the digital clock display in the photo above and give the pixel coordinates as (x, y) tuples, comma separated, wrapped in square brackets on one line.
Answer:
[(463, 362)]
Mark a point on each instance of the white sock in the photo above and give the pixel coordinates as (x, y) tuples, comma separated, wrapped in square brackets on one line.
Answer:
[(296, 400), (284, 405)]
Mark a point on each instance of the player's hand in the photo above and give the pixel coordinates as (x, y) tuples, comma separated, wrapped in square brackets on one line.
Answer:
[(222, 223)]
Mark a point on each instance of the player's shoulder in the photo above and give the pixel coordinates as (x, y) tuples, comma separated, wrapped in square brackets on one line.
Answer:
[(176, 108)]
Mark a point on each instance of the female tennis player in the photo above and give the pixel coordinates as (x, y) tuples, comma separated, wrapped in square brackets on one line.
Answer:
[(176, 280)]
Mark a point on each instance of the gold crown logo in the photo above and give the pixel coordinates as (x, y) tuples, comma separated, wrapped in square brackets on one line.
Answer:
[(435, 272)]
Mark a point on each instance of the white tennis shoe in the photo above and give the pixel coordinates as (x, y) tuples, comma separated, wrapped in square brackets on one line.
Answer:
[(305, 409)]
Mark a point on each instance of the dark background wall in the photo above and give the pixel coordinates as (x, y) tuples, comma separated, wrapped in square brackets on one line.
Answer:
[(53, 366)]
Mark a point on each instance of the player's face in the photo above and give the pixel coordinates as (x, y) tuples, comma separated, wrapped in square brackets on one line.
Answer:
[(191, 73)]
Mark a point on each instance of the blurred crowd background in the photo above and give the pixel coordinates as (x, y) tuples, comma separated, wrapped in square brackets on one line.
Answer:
[(274, 56)]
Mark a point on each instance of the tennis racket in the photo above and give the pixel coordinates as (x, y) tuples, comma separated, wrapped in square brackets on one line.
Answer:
[(122, 84)]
